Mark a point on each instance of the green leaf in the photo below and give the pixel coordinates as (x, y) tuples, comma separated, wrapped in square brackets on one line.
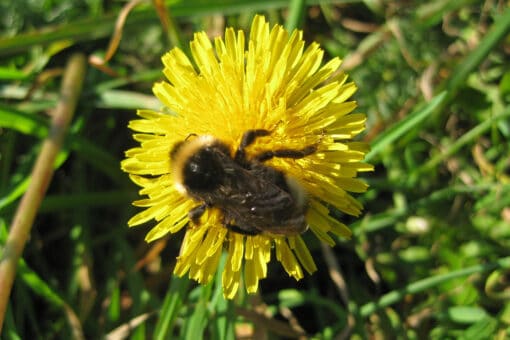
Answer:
[(174, 299), (427, 283), (415, 254), (466, 314), (196, 323), (38, 285), (482, 329), (29, 124)]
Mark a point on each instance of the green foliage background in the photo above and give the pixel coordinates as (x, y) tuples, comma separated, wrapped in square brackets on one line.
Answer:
[(429, 258)]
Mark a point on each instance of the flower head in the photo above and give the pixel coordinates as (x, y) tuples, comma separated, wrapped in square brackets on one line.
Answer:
[(271, 83)]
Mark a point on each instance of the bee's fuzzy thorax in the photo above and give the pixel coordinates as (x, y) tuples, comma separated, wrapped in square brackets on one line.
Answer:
[(181, 154)]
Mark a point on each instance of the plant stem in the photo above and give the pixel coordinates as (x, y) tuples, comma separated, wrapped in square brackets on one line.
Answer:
[(42, 173)]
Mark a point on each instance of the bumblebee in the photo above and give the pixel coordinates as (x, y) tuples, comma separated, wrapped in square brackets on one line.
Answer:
[(252, 197)]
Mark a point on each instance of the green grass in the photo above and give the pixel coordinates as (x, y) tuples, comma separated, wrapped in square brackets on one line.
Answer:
[(429, 256)]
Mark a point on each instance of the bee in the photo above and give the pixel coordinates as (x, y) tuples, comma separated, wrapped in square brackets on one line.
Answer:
[(253, 197)]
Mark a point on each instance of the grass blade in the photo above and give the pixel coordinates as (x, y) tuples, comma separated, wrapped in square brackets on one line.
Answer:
[(405, 125)]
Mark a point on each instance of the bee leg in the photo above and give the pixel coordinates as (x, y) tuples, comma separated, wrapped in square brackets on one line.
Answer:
[(248, 138), (195, 213), (244, 231), (286, 153)]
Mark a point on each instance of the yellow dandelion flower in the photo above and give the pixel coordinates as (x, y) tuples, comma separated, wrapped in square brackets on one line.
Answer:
[(253, 145)]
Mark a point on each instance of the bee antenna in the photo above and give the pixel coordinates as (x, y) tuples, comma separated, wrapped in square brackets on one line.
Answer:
[(190, 135)]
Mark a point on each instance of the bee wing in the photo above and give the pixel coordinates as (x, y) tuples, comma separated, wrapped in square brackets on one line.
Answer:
[(258, 199), (259, 190), (267, 198)]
